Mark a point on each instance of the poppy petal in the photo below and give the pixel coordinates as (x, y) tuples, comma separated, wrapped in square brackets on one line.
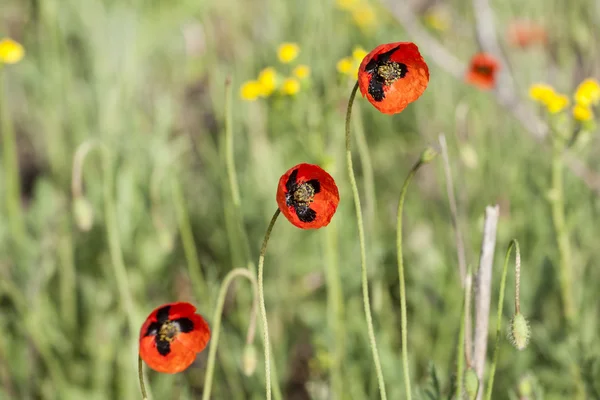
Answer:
[(307, 196), (392, 76), (171, 337), (482, 71)]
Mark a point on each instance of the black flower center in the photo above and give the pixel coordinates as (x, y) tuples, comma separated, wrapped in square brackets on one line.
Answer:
[(165, 330), (384, 73), (301, 195), (483, 70)]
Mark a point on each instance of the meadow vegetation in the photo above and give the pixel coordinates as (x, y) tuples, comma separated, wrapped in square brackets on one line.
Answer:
[(142, 146)]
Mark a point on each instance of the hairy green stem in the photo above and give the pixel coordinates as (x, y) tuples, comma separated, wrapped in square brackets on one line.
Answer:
[(363, 257), (263, 310), (141, 378), (515, 244), (212, 352), (557, 203), (14, 212), (425, 157)]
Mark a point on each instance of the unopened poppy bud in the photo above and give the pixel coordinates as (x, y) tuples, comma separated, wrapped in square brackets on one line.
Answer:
[(249, 360), (84, 213), (519, 332), (428, 154), (471, 383)]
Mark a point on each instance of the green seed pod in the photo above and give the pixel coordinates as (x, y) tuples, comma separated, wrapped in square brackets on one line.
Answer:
[(471, 383), (83, 213), (519, 332), (249, 360)]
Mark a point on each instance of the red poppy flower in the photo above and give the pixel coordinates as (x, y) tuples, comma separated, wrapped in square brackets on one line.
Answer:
[(307, 196), (392, 76), (524, 33), (482, 71), (172, 336)]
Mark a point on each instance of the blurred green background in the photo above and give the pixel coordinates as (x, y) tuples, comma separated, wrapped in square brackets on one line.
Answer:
[(147, 79)]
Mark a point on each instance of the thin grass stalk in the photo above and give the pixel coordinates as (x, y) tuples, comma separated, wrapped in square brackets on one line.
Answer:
[(212, 352)]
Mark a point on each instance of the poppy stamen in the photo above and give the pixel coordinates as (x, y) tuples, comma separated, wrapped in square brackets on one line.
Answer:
[(384, 73), (301, 195)]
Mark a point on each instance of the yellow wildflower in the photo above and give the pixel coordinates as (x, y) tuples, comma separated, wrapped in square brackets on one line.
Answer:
[(345, 65), (268, 81), (288, 52), (11, 52), (364, 16), (588, 92), (348, 5), (290, 86), (582, 113), (301, 71), (541, 92), (359, 53), (250, 90), (557, 103)]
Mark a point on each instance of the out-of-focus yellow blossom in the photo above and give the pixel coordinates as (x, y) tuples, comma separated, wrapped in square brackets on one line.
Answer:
[(301, 71), (557, 103), (290, 86), (588, 93), (541, 92), (364, 16), (437, 18), (348, 5), (359, 53), (345, 65), (11, 52), (582, 113), (268, 81), (250, 90), (288, 52)]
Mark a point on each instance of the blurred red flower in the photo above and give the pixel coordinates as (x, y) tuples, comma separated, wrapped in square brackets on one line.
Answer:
[(482, 71), (525, 33), (392, 76), (171, 337), (308, 196)]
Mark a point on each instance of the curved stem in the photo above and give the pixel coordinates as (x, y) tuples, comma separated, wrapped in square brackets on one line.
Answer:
[(141, 377), (363, 257), (212, 352), (263, 310), (425, 157), (513, 243)]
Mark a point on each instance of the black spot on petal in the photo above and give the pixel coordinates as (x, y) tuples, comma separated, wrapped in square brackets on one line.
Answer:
[(185, 325), (163, 347), (153, 329), (316, 185), (162, 315), (305, 214), (291, 182)]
